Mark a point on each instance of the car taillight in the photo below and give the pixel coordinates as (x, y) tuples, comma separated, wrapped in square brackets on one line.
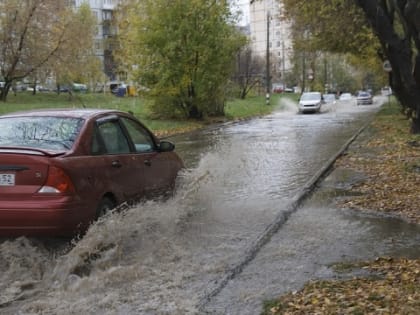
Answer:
[(57, 182)]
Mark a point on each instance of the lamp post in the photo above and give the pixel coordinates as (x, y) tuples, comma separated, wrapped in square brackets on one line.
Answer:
[(268, 79)]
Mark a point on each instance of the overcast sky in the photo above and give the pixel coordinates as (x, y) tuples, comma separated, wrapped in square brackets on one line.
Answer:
[(243, 6)]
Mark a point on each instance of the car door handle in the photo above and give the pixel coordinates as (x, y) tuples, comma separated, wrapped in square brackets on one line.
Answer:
[(116, 164), (147, 162)]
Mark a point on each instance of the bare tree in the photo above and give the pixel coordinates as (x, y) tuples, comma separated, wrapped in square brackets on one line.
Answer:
[(249, 71), (35, 34)]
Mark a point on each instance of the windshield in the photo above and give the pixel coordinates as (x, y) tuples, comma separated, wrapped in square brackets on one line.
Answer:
[(310, 96), (48, 133)]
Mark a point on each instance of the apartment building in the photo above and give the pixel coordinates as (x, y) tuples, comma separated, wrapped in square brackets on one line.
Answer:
[(105, 33), (267, 22)]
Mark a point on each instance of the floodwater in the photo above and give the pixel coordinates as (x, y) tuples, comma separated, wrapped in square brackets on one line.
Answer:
[(208, 248)]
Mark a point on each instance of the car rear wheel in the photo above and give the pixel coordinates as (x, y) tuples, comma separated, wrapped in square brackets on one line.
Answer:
[(104, 206)]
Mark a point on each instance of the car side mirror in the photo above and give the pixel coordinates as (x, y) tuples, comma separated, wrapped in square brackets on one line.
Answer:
[(166, 146)]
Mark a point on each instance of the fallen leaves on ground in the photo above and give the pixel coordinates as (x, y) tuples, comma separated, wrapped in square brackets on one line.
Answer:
[(393, 288), (390, 159)]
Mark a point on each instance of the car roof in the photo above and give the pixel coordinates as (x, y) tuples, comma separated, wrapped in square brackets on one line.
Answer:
[(63, 112), (311, 93)]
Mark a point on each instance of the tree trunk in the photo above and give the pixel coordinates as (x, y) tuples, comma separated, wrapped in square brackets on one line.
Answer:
[(399, 50), (194, 112), (243, 93), (5, 90), (415, 124)]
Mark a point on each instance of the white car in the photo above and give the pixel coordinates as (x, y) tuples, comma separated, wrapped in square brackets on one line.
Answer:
[(329, 98), (386, 91), (310, 102), (346, 97), (364, 98)]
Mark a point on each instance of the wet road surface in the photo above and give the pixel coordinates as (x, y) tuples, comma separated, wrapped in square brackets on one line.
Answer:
[(194, 253)]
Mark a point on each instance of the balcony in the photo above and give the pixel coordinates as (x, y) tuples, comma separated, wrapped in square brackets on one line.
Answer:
[(108, 6)]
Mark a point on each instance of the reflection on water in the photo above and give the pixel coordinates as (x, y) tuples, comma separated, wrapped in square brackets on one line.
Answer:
[(160, 257)]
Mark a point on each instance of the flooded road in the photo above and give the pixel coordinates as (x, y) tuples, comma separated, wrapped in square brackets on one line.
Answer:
[(202, 250)]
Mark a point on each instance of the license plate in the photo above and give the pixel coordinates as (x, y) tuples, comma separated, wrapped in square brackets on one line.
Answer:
[(7, 179)]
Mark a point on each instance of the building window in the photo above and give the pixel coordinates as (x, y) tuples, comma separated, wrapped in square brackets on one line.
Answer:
[(106, 15)]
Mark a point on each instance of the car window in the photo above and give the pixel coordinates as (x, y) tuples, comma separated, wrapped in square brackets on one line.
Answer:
[(113, 138), (141, 138), (47, 132), (310, 96), (98, 146)]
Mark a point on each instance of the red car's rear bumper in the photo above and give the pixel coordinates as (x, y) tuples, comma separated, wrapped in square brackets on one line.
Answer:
[(62, 216)]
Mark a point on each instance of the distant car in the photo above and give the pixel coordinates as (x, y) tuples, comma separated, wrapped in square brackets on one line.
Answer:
[(364, 98), (346, 97), (329, 98), (42, 88), (386, 91), (79, 87), (310, 102), (62, 169), (278, 89), (38, 88), (63, 89)]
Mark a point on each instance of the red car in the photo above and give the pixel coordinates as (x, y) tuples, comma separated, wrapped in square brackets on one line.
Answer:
[(62, 169)]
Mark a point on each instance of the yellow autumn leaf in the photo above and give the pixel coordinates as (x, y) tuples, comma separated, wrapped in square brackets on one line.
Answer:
[(315, 301)]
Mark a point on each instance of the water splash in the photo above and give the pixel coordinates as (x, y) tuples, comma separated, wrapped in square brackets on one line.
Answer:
[(288, 105), (121, 248), (23, 263)]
